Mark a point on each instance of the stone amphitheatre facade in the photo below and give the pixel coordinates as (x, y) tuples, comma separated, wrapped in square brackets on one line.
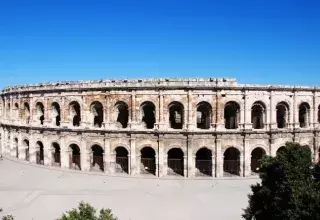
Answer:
[(189, 127)]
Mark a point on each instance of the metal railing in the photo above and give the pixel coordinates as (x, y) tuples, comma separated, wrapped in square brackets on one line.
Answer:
[(122, 165), (203, 167), (75, 162), (148, 165), (231, 166), (98, 160), (57, 158), (175, 167)]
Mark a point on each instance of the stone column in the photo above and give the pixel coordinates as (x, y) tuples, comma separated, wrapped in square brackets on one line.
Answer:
[(32, 150), (107, 156), (133, 163), (247, 113), (185, 165), (213, 160), (157, 163), (46, 151), (242, 165), (21, 148), (190, 158), (133, 110), (242, 122), (47, 120), (66, 158), (162, 160), (295, 112), (113, 162), (219, 158), (161, 120), (219, 113), (138, 164), (107, 110), (247, 157), (12, 146), (85, 155), (191, 121)]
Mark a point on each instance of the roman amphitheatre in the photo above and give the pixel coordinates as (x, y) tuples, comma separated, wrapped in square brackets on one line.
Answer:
[(150, 139)]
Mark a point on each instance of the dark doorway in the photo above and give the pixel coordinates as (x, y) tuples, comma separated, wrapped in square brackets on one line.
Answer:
[(231, 163), (75, 160), (204, 162), (175, 162), (122, 114), (204, 112), (97, 160), (148, 111), (176, 115), (122, 165), (256, 156), (231, 115), (148, 160)]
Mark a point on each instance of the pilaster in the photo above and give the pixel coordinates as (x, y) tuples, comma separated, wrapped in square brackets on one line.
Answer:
[(219, 158), (133, 163)]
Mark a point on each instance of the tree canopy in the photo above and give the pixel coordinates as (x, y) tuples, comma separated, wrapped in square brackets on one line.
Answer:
[(288, 189)]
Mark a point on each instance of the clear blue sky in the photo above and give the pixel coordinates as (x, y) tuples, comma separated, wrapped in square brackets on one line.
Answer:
[(267, 42)]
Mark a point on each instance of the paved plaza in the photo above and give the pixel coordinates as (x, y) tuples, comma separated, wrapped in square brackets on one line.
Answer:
[(36, 192)]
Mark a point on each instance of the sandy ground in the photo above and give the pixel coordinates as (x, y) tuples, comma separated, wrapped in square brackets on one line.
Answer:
[(34, 192)]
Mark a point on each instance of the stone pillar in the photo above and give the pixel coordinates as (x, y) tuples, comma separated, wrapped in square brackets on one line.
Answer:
[(107, 156), (185, 165), (247, 114), (316, 148), (161, 112), (133, 163), (85, 155), (247, 157), (219, 112), (138, 164), (242, 165), (66, 158), (157, 163), (219, 158), (113, 162), (190, 158), (162, 157), (295, 112), (21, 147), (12, 146), (242, 122), (107, 110), (133, 110), (213, 160), (32, 150), (46, 151), (191, 120)]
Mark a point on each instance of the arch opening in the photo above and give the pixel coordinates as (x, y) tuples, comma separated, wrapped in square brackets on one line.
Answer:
[(122, 110), (256, 156), (40, 112), (56, 113), (204, 111), (75, 160), (56, 155), (122, 160), (97, 158), (231, 161), (258, 115), (148, 111), (75, 113), (232, 115), (282, 114), (176, 114), (304, 115), (26, 112), (175, 162), (39, 153), (148, 161), (204, 162), (16, 110), (281, 150), (97, 114)]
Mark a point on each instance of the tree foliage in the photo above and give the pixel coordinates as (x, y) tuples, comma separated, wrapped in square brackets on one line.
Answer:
[(288, 189), (86, 212)]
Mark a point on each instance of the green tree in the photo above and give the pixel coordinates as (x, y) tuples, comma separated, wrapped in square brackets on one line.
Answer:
[(8, 217), (86, 212), (287, 190)]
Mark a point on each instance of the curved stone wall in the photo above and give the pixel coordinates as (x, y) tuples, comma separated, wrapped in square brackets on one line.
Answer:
[(188, 127)]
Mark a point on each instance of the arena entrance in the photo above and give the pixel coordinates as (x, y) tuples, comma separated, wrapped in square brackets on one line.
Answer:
[(97, 158), (231, 162), (56, 154), (39, 153), (204, 162), (75, 161), (175, 162), (256, 156), (148, 161), (122, 161)]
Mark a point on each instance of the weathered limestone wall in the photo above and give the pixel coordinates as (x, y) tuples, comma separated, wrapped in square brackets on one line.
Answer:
[(20, 122)]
